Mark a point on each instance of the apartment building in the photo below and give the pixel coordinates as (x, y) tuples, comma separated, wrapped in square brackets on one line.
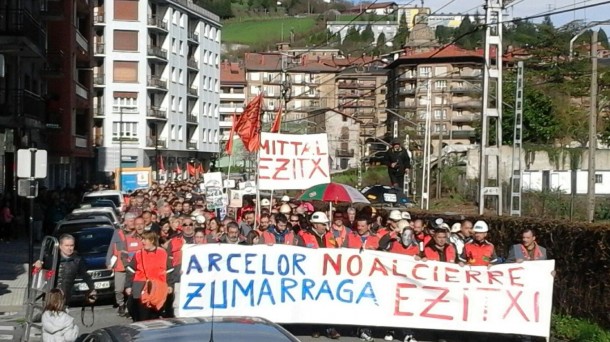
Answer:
[(232, 96), (156, 80), (23, 90), (310, 83), (69, 96), (454, 76)]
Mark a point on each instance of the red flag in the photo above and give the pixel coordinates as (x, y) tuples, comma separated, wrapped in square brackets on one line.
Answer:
[(178, 170), (229, 145), (160, 164), (248, 124), (277, 122)]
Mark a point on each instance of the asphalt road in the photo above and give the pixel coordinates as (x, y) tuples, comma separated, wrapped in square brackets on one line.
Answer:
[(105, 315)]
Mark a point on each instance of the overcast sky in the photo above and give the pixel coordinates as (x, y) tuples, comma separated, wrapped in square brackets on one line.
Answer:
[(525, 8)]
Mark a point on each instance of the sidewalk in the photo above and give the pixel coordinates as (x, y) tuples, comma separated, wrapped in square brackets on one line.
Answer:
[(14, 278)]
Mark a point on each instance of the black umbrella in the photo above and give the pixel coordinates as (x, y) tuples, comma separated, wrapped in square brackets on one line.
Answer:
[(383, 194)]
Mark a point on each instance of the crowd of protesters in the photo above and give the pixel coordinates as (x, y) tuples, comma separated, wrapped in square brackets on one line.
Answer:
[(160, 220)]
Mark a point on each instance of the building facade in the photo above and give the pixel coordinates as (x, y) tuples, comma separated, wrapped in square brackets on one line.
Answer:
[(232, 96), (343, 133), (156, 80), (23, 90), (454, 76)]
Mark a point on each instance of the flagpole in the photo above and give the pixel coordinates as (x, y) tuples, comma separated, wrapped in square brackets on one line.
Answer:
[(258, 156)]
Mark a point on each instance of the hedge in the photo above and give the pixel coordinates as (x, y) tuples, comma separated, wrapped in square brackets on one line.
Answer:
[(581, 252)]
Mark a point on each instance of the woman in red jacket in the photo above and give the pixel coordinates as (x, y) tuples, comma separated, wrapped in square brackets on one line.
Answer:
[(149, 263)]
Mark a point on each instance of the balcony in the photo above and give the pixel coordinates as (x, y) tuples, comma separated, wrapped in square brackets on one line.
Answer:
[(156, 82), (468, 104), (157, 23), (99, 19), (407, 77), (191, 145), (191, 118), (193, 91), (81, 91), (99, 80), (347, 85), (344, 152), (99, 49), (465, 118), (157, 52), (52, 10), (25, 104), (348, 94), (157, 113), (82, 42), (406, 91), (153, 142), (192, 64), (125, 140), (462, 134), (98, 111), (193, 37), (408, 105), (32, 37), (466, 89), (54, 66), (272, 80)]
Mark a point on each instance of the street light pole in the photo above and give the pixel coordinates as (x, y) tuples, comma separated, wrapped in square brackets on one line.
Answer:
[(592, 130), (120, 175)]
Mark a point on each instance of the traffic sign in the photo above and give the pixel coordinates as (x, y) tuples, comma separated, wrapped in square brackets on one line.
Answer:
[(27, 188), (31, 163)]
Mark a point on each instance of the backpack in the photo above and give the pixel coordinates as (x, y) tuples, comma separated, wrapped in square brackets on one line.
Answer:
[(154, 294)]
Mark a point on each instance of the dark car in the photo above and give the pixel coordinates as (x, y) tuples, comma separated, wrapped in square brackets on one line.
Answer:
[(225, 329), (92, 241)]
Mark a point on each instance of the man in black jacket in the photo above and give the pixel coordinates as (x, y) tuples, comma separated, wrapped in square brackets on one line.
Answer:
[(398, 163), (69, 267)]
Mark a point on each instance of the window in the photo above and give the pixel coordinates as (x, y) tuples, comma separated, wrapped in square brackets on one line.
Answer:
[(181, 77), (126, 10), (459, 112), (255, 76), (204, 135), (180, 105), (439, 128), (215, 111), (182, 20), (216, 136), (204, 79), (422, 114), (180, 133), (212, 33), (218, 35), (440, 71), (125, 102), (125, 40), (173, 103), (181, 48), (425, 72), (599, 179), (126, 130), (125, 72), (423, 100), (176, 17), (440, 85), (216, 85), (173, 74), (440, 114), (173, 45), (172, 132)]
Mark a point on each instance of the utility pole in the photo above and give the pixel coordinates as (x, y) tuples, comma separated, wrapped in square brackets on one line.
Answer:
[(425, 183), (592, 130), (515, 181), (491, 116), (440, 147)]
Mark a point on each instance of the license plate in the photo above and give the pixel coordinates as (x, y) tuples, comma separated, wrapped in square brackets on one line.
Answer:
[(98, 285)]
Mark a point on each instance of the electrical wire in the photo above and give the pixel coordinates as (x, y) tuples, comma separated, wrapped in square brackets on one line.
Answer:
[(476, 29)]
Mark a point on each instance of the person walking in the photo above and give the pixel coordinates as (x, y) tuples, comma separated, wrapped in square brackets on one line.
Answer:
[(57, 324), (151, 263), (398, 163)]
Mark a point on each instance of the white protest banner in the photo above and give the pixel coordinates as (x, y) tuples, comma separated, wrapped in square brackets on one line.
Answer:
[(288, 284), (293, 161)]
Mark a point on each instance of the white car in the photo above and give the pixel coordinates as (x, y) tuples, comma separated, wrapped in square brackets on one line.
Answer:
[(87, 210), (115, 196)]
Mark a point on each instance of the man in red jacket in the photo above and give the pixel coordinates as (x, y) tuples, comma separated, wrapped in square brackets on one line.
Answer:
[(439, 248), (479, 251), (362, 237)]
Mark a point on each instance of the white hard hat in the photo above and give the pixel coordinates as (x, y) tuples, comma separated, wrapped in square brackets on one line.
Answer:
[(406, 216), (480, 227), (456, 227), (395, 215), (319, 217), (285, 198), (265, 202), (200, 219), (285, 209)]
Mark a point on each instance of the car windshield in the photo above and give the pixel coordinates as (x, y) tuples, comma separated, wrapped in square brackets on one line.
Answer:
[(92, 199), (92, 241)]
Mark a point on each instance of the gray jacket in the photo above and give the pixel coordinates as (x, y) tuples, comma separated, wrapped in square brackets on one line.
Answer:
[(517, 252)]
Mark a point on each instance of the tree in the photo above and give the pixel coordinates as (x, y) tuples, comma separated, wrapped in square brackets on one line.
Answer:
[(381, 40), (352, 36), (402, 33), (444, 34), (603, 39), (463, 34), (367, 36)]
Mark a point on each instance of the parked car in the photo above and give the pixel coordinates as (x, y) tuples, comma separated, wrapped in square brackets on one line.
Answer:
[(88, 211), (114, 195), (226, 329), (92, 239)]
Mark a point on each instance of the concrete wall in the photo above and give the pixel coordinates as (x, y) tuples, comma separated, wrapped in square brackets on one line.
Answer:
[(537, 167)]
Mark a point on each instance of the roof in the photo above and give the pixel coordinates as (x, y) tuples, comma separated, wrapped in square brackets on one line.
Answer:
[(372, 6), (232, 73), (272, 61), (447, 53)]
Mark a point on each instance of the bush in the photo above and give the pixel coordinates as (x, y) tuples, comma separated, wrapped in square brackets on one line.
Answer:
[(573, 329)]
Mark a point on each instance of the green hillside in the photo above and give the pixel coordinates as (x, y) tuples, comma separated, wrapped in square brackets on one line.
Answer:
[(265, 30)]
